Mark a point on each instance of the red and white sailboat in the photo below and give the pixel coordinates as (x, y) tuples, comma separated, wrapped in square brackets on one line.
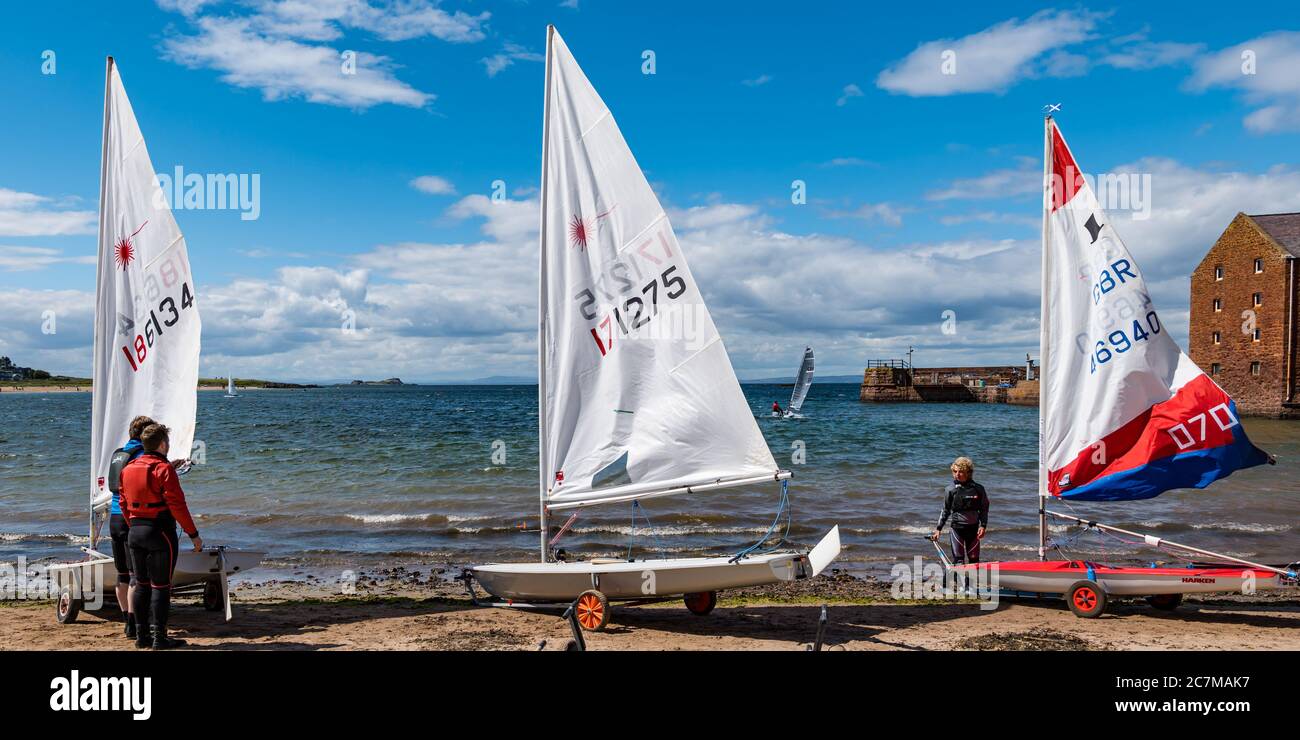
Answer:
[(1124, 414)]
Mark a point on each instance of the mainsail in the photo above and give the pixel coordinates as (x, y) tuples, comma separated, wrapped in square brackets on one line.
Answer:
[(638, 394), (146, 355), (1125, 414), (803, 381)]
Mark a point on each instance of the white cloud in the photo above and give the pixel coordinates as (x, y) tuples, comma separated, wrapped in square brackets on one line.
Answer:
[(993, 59), (847, 162), (850, 91), (1265, 70), (29, 214), (1026, 178), (26, 259), (1142, 54), (757, 81), (883, 212), (509, 54), (433, 185), (277, 46), (702, 217), (283, 68)]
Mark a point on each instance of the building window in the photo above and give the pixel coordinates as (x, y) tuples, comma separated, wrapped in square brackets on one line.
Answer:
[(1216, 337), (1214, 368), (1218, 305), (1258, 298), (1218, 272), (1254, 368), (1259, 265), (1256, 335)]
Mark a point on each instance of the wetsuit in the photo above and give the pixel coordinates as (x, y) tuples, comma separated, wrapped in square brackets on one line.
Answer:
[(154, 504), (117, 524), (776, 407), (968, 505)]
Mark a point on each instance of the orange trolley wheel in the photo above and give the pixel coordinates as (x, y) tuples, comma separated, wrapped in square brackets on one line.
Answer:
[(592, 610), (1086, 599), (701, 603)]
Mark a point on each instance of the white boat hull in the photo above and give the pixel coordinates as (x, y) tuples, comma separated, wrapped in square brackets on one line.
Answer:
[(192, 569), (1055, 577), (623, 580)]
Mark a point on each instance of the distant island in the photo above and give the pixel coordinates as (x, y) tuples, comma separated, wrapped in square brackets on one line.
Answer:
[(388, 381)]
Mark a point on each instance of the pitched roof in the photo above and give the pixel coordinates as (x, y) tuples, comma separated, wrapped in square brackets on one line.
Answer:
[(1283, 227)]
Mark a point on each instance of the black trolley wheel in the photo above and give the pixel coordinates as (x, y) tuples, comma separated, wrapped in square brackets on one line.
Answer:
[(1165, 602), (212, 600)]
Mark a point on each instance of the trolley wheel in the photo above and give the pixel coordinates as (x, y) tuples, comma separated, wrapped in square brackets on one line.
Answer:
[(212, 596), (1165, 602), (67, 607), (701, 603), (1086, 599), (592, 610)]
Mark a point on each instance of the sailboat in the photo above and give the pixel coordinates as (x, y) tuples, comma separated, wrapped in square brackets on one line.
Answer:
[(230, 387), (637, 397), (146, 352), (802, 382), (1124, 414)]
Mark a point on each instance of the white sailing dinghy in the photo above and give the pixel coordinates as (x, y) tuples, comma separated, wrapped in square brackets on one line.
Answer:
[(1123, 414), (230, 387), (637, 397), (146, 354), (802, 382)]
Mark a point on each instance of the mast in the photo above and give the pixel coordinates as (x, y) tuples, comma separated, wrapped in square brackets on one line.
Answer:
[(94, 355), (544, 522), (1044, 342)]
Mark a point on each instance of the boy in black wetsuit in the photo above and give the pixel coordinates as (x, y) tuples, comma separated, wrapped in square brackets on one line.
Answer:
[(968, 505)]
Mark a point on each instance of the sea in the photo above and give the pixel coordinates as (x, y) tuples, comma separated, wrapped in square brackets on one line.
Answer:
[(342, 478)]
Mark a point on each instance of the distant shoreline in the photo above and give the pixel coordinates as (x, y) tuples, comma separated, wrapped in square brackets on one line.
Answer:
[(87, 388)]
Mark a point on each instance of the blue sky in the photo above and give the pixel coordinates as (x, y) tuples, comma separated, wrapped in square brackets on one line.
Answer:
[(922, 187)]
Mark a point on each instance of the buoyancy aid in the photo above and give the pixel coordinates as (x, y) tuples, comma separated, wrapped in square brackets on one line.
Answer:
[(139, 496)]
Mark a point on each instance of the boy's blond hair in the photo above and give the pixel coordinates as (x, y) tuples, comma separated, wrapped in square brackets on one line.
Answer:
[(964, 464)]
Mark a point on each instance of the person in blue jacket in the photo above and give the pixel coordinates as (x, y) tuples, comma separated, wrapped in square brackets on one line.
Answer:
[(117, 524)]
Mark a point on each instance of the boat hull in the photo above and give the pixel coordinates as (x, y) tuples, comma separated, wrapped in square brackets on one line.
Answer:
[(651, 579), (192, 569), (1055, 577)]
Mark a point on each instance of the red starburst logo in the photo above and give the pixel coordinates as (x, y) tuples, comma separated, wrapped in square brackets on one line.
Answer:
[(124, 251), (579, 232)]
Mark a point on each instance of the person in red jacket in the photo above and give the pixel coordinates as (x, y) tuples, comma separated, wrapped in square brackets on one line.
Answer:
[(154, 504)]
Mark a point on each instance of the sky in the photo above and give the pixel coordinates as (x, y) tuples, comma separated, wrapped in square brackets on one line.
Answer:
[(405, 194)]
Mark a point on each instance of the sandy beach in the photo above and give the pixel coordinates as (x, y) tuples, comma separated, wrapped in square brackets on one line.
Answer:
[(397, 609)]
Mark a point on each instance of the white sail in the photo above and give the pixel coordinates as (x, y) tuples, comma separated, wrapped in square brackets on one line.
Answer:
[(146, 354), (639, 396), (802, 381)]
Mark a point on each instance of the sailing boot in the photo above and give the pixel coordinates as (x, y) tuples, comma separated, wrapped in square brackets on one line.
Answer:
[(142, 637), (162, 642), (129, 629)]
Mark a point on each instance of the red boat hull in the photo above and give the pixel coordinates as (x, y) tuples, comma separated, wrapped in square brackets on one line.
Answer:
[(1056, 576)]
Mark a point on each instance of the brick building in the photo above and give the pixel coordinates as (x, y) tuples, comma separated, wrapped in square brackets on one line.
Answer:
[(1243, 313)]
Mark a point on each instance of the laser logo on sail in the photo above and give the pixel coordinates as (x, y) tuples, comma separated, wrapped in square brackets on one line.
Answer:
[(124, 251)]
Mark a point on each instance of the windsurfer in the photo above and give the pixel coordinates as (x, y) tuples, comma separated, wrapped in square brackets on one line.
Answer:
[(155, 504), (968, 505)]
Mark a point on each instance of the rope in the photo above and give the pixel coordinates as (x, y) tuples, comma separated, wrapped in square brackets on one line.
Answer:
[(783, 507), (636, 506)]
